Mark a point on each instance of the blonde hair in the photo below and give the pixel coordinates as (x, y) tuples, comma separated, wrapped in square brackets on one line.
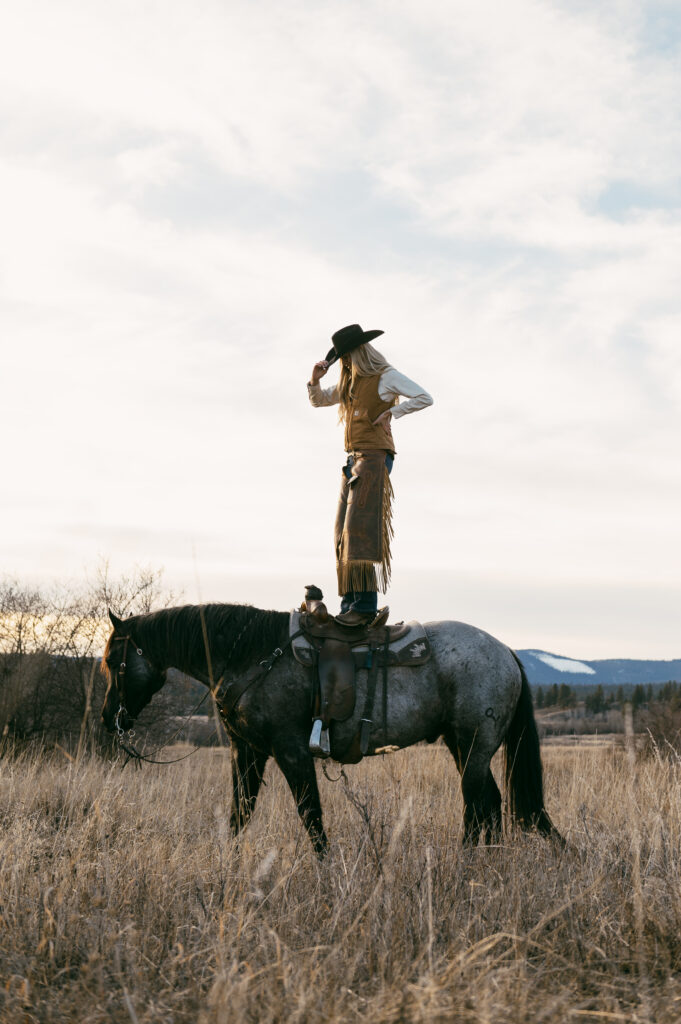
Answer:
[(366, 362)]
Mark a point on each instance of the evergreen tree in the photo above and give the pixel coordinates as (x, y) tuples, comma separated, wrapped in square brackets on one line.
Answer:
[(566, 698), (539, 697), (595, 702), (638, 697)]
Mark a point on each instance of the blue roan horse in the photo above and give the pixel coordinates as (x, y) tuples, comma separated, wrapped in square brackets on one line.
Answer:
[(473, 692)]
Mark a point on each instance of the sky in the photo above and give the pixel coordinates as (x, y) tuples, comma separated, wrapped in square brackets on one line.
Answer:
[(195, 195)]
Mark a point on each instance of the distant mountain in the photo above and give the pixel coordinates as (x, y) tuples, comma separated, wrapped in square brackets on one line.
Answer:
[(544, 669)]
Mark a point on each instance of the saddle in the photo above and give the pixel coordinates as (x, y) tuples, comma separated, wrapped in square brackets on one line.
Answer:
[(338, 652)]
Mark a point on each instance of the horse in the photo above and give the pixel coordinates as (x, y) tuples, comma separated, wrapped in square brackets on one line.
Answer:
[(473, 692)]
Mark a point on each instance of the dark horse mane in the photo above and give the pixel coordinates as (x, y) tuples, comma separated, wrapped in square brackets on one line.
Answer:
[(238, 633)]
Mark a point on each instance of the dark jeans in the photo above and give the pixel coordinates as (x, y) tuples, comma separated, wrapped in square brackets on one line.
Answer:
[(363, 601)]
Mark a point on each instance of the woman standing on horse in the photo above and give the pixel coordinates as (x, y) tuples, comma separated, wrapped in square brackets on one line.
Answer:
[(368, 393)]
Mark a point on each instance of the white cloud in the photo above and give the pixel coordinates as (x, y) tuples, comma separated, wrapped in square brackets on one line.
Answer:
[(192, 199)]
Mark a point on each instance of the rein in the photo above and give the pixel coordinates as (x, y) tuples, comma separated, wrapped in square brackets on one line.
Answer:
[(137, 755)]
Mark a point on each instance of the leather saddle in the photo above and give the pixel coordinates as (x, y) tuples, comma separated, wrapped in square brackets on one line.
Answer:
[(338, 652)]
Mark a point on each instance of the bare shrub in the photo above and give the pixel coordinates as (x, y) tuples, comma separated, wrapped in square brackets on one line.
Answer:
[(50, 645), (575, 721), (661, 726)]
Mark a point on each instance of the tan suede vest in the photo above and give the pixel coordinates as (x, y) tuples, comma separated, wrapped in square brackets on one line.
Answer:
[(366, 406)]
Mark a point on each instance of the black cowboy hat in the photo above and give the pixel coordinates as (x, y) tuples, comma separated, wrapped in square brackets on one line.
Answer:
[(347, 339)]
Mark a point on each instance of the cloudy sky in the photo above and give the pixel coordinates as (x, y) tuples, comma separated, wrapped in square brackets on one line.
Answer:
[(195, 195)]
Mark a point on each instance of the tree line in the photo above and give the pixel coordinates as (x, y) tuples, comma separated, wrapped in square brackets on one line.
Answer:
[(599, 700)]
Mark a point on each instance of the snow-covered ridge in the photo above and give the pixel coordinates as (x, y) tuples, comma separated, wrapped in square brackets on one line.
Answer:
[(563, 664), (544, 669)]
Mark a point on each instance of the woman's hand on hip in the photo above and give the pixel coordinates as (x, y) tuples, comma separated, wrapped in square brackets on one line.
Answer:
[(384, 420), (318, 371)]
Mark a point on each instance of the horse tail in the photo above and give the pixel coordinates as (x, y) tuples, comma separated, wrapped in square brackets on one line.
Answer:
[(523, 769)]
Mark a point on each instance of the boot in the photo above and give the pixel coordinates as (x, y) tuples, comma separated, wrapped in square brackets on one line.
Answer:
[(353, 618), (373, 620)]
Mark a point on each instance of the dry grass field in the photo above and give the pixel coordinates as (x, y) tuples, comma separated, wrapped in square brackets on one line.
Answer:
[(124, 898)]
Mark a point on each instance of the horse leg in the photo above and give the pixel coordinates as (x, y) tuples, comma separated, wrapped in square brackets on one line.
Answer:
[(492, 810), (248, 766), (299, 771), (481, 796)]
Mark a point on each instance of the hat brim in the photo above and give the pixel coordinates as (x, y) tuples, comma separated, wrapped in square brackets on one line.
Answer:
[(332, 355)]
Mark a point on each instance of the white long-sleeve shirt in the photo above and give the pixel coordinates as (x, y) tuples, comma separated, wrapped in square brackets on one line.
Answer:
[(391, 384)]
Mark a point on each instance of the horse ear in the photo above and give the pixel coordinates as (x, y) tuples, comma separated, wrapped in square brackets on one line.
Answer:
[(118, 624)]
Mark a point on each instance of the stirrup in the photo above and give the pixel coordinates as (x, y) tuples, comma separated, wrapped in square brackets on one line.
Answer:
[(381, 618), (319, 745)]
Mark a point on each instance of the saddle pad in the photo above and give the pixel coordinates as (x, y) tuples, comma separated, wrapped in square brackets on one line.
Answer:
[(411, 649)]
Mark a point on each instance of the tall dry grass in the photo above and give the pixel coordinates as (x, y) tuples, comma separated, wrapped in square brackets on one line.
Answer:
[(123, 897)]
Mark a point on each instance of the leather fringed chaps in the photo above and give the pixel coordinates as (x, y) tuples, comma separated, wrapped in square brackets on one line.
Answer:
[(364, 529)]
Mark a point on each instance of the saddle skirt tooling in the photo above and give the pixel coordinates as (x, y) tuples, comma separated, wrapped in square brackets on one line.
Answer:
[(408, 643), (338, 654)]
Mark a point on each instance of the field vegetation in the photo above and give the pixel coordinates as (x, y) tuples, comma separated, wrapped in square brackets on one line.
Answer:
[(123, 896)]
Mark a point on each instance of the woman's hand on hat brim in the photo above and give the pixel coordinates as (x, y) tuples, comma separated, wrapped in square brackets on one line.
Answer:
[(318, 371)]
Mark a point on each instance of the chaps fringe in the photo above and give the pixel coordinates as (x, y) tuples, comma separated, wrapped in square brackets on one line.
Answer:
[(387, 531)]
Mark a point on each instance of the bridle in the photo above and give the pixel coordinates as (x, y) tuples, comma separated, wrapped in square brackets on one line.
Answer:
[(124, 736), (119, 682), (225, 697)]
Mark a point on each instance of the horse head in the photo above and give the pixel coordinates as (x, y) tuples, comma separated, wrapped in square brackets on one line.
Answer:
[(132, 677)]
